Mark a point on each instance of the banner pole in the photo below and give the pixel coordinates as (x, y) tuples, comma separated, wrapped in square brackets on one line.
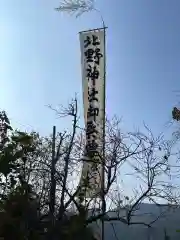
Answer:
[(104, 133)]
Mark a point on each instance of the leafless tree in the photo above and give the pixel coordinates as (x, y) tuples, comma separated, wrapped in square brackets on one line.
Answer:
[(141, 157), (144, 159), (77, 7)]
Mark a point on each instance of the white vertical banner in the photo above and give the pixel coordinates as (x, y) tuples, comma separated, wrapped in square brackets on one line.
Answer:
[(92, 45)]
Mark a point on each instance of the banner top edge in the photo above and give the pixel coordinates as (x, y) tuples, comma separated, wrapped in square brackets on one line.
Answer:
[(93, 30)]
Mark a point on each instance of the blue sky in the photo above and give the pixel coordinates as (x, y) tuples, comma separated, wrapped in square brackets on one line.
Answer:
[(40, 60)]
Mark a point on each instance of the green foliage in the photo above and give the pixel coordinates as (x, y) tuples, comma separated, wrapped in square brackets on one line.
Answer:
[(74, 228), (18, 214), (15, 205), (12, 158)]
